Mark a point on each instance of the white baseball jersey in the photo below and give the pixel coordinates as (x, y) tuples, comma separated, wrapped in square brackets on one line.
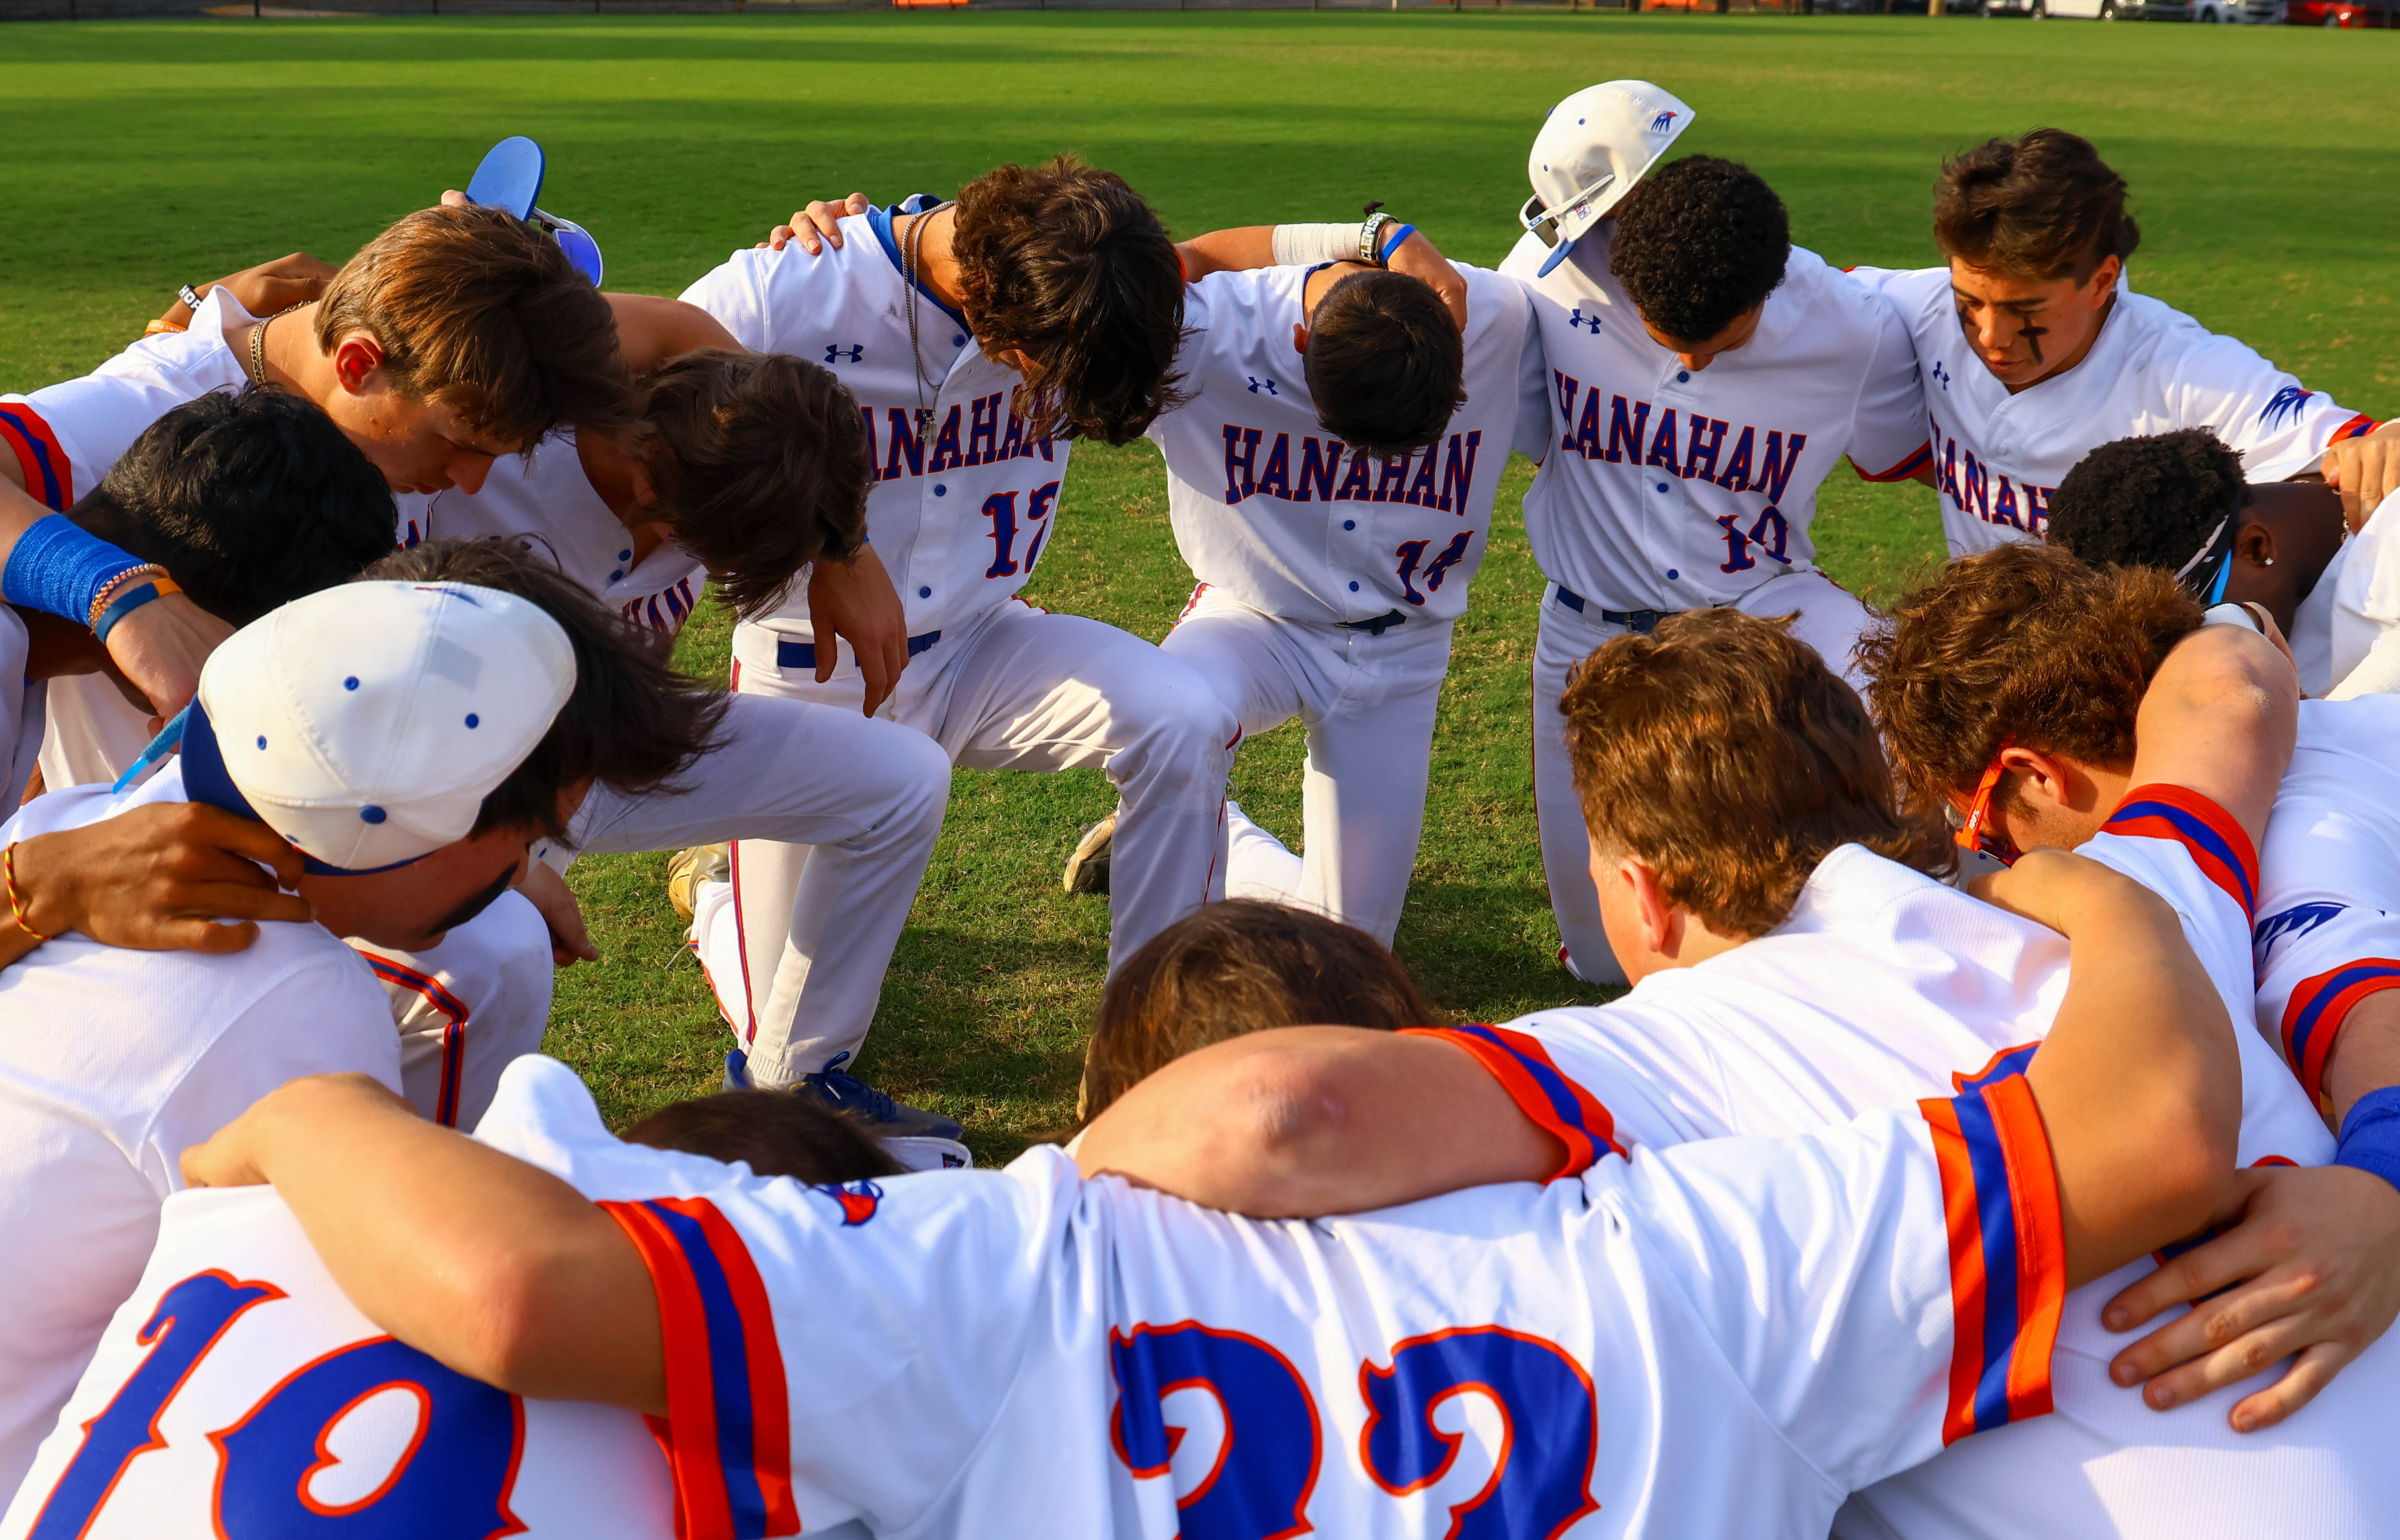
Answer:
[(2152, 369), (1652, 499), (66, 436), (238, 1392), (1884, 986), (22, 709), (113, 1063), (1280, 515), (963, 500), (1029, 1353), (2328, 933), (546, 496), (2356, 602)]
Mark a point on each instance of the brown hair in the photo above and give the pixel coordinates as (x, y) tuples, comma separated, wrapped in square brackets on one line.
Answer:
[(485, 314), (631, 723), (1237, 967), (774, 1133), (1386, 363), (2043, 207), (764, 462), (2020, 645), (1066, 263), (1724, 752)]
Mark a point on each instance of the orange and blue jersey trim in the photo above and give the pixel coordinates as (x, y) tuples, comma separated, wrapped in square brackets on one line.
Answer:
[(727, 1430), (2219, 847), (2007, 1062), (2313, 1016), (2007, 1254), (2357, 427), (1541, 1090), (454, 1027), (1919, 458), (49, 475)]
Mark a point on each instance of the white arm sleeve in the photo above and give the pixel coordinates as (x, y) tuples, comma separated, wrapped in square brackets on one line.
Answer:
[(1306, 245)]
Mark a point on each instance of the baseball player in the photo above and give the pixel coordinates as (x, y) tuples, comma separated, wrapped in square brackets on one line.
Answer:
[(1707, 375), (1330, 481), (1811, 1311), (411, 739), (1779, 988), (271, 1364), (2177, 501), (2034, 351), (975, 347)]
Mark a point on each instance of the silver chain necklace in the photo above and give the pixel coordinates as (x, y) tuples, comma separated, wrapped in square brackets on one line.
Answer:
[(908, 250)]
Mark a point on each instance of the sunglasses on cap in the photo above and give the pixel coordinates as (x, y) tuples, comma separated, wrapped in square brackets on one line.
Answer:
[(1981, 830)]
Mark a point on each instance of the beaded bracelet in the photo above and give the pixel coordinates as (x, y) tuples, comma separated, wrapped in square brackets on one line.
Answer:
[(16, 905), (128, 600), (109, 590)]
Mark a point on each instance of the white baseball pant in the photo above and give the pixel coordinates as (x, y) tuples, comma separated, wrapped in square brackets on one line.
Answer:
[(1014, 689), (1368, 704), (468, 1007), (1825, 616)]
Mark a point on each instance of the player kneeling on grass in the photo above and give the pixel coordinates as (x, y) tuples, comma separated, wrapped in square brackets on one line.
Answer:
[(1797, 960), (244, 502), (1234, 967), (1354, 398), (236, 1330), (908, 1355), (411, 737), (2176, 501), (1705, 377), (980, 339)]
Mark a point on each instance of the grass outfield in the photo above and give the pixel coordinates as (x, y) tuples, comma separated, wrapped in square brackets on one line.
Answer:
[(148, 154)]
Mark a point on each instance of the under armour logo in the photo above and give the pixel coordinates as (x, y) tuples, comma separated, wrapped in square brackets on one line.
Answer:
[(1941, 374), (1576, 317), (1661, 123), (836, 353), (1258, 385), (2285, 403), (858, 1199)]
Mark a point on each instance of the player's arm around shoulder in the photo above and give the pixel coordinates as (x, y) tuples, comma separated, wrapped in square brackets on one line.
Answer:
[(1306, 1120), (494, 1267), (2221, 719), (651, 329)]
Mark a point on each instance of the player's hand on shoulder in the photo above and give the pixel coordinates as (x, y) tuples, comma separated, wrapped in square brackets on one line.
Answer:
[(815, 226), (273, 286), (570, 939), (165, 877), (1417, 257), (2365, 472), (2305, 1269)]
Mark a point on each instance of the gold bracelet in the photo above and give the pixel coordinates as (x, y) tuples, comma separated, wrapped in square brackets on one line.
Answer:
[(108, 590), (16, 905)]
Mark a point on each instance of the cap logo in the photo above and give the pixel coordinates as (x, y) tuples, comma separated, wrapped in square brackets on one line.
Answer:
[(1661, 123)]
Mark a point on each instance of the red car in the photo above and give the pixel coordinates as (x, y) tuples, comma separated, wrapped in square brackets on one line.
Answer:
[(2337, 13)]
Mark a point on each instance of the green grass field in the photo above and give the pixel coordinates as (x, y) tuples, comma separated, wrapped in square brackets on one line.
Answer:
[(148, 154)]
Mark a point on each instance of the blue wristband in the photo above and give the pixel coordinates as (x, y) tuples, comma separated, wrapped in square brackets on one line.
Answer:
[(2370, 1135), (59, 569), (134, 596), (1392, 241)]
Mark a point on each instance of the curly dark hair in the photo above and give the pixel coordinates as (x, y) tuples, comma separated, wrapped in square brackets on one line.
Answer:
[(1699, 243), (1066, 264), (631, 723), (2020, 645), (1386, 363), (764, 462), (1723, 750), (2150, 501), (248, 501), (2043, 207)]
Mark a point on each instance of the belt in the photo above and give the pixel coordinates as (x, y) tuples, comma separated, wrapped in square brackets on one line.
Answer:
[(804, 654), (1377, 626), (1641, 623)]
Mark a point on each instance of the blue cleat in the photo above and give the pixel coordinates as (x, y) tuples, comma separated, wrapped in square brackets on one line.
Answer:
[(885, 1118)]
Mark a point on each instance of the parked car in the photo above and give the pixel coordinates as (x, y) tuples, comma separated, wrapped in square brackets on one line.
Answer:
[(2264, 11), (2337, 13)]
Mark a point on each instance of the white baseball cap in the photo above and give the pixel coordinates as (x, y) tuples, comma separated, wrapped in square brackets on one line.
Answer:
[(1593, 147), (367, 722)]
